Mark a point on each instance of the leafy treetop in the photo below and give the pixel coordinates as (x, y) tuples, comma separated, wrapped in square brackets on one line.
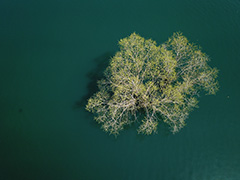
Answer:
[(146, 83)]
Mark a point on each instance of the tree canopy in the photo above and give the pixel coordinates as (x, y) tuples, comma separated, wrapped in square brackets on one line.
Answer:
[(148, 83)]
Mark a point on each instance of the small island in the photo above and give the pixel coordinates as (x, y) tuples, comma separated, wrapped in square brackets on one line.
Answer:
[(146, 83)]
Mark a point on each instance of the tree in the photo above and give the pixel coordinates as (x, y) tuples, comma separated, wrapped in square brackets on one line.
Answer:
[(146, 83)]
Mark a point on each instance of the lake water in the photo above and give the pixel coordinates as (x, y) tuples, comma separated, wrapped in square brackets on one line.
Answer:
[(52, 52)]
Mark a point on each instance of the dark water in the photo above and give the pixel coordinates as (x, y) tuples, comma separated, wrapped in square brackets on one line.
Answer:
[(52, 52)]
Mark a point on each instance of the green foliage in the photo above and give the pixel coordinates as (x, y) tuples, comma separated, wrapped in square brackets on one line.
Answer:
[(146, 83)]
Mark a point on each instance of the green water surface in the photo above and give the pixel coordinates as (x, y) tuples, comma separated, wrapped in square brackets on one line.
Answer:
[(51, 54)]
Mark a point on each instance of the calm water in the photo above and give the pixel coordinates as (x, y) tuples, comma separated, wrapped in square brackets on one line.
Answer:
[(52, 52)]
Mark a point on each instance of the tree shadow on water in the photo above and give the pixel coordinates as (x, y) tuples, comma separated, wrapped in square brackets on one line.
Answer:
[(94, 76)]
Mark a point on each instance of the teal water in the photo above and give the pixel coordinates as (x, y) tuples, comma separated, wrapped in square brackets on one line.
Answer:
[(52, 52)]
